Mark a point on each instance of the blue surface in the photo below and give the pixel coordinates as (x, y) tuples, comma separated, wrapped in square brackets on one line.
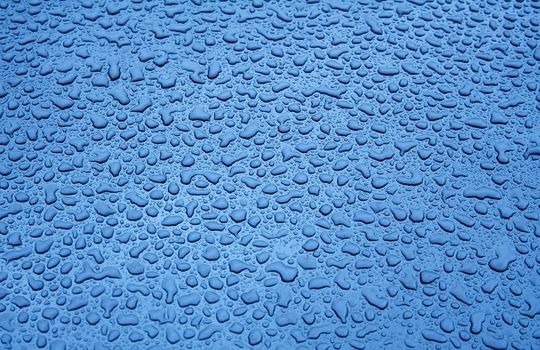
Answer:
[(290, 175)]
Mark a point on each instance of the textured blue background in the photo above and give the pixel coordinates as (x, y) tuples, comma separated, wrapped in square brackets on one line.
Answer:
[(274, 175)]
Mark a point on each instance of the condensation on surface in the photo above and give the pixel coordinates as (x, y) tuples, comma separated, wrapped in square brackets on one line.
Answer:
[(271, 175)]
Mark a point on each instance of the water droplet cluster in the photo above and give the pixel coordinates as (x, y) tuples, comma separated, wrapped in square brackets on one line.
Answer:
[(267, 174)]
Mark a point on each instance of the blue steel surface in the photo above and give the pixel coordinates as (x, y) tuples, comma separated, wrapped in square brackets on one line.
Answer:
[(269, 175)]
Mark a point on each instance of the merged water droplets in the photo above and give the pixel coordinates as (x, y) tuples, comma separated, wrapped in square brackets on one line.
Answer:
[(345, 175)]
